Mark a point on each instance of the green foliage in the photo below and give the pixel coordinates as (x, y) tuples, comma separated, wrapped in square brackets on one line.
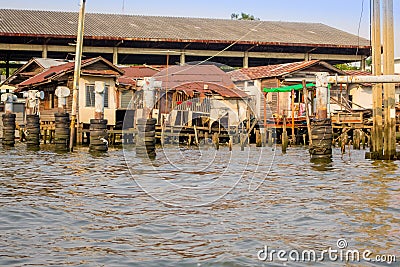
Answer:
[(346, 67), (243, 16)]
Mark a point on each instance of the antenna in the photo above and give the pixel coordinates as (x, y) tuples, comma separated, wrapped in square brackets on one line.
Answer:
[(123, 6)]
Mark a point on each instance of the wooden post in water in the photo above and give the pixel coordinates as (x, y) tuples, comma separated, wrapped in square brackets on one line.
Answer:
[(284, 136), (377, 129), (305, 95), (292, 107), (258, 139), (77, 73), (389, 88), (216, 141), (270, 137)]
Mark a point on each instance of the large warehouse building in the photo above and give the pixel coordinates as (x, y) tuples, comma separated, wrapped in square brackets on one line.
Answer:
[(132, 39)]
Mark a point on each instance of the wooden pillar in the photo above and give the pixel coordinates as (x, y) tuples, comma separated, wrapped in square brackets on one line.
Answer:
[(305, 95), (258, 139), (389, 88), (292, 107), (246, 60), (377, 129), (216, 141), (284, 136)]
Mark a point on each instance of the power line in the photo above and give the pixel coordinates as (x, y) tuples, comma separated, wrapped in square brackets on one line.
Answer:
[(359, 26)]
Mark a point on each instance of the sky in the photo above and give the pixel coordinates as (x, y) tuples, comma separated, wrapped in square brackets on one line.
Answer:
[(341, 14)]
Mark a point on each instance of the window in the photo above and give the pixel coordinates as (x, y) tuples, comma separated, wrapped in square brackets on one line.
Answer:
[(90, 95)]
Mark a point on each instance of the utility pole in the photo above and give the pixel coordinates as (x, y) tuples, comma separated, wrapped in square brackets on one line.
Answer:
[(377, 129), (389, 89), (77, 72)]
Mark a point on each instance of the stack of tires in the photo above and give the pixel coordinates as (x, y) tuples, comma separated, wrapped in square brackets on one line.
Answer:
[(98, 135), (62, 131), (146, 138), (32, 131), (321, 135), (9, 130)]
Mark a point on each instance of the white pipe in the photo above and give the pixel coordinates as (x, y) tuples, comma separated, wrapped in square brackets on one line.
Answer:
[(364, 79)]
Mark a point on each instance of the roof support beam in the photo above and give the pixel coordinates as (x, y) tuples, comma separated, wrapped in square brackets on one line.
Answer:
[(199, 53)]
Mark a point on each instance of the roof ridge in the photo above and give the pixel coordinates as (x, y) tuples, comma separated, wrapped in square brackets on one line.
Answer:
[(162, 16)]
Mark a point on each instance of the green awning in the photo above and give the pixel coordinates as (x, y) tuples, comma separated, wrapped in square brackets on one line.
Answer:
[(287, 88)]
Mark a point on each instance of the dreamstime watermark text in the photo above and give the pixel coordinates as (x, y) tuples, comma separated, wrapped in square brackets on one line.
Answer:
[(339, 253)]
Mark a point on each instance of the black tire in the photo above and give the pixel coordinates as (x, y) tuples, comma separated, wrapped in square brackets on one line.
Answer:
[(321, 130), (146, 134), (8, 122), (96, 121), (8, 143), (146, 121), (9, 133), (64, 121), (62, 132), (321, 136), (62, 136), (98, 148), (145, 148), (99, 133), (9, 116), (94, 127), (323, 142), (96, 142), (146, 128), (327, 151), (9, 126)]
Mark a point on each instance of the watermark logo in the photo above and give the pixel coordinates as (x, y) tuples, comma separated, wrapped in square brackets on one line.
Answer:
[(341, 253)]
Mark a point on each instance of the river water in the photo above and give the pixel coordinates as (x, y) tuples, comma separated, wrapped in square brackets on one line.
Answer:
[(194, 207)]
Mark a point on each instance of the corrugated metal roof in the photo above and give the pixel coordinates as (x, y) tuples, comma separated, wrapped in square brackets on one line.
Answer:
[(254, 73), (191, 78), (56, 71), (174, 29), (135, 72), (49, 62), (202, 87)]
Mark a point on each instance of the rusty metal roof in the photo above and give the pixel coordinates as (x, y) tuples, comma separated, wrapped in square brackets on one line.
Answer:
[(201, 87), (132, 73), (191, 78), (278, 70), (56, 71), (174, 29)]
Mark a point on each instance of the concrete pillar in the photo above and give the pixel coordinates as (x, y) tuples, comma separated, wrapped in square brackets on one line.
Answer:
[(246, 60), (363, 64), (115, 55), (322, 95), (44, 51), (99, 100), (183, 59)]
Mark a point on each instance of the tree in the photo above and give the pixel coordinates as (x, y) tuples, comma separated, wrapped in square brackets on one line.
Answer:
[(243, 16)]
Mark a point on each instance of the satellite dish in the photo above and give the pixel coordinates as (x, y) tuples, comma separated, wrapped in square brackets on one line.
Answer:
[(4, 97), (40, 95), (62, 91), (158, 84), (99, 89)]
